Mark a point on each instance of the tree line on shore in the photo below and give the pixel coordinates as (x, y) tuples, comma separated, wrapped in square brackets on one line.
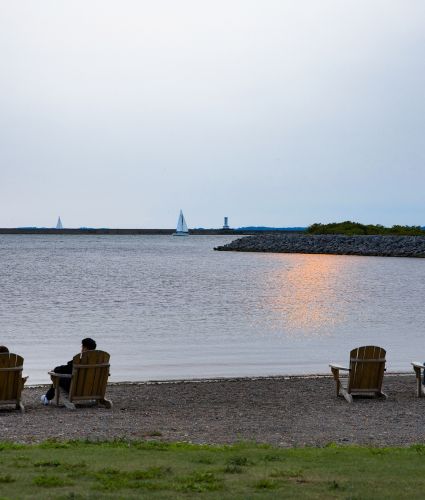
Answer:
[(352, 228)]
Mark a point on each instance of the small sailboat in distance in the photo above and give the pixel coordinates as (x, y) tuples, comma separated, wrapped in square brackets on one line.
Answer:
[(59, 224), (181, 229)]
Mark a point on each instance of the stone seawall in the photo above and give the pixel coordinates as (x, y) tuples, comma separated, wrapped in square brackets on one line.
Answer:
[(384, 246), (114, 232), (117, 231)]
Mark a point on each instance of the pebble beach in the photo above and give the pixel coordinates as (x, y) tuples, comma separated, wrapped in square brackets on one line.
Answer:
[(282, 411)]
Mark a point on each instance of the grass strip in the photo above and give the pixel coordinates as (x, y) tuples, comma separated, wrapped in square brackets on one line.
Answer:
[(155, 469)]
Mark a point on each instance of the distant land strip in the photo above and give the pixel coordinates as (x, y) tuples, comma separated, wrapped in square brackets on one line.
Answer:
[(112, 231), (366, 245)]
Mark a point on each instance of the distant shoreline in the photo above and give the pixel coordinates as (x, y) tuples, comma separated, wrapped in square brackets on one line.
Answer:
[(117, 231)]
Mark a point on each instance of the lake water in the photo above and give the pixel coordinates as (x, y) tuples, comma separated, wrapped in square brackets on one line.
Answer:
[(172, 308)]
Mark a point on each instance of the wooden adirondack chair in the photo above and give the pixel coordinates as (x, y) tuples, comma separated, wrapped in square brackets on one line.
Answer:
[(418, 367), (365, 375), (11, 380), (89, 378)]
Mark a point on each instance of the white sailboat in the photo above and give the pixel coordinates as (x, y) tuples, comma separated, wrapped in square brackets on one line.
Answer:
[(59, 224), (181, 229)]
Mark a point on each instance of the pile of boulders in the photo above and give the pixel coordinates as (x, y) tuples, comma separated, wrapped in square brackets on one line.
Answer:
[(385, 246)]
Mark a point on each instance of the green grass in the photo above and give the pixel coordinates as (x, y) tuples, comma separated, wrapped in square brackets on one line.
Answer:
[(153, 469)]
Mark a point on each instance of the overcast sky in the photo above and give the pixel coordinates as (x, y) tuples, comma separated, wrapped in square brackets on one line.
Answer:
[(272, 112)]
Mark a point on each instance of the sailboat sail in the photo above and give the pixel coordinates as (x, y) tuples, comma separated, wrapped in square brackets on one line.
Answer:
[(181, 225), (59, 224)]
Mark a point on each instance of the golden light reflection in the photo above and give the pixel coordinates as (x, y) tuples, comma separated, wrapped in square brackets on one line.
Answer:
[(303, 293)]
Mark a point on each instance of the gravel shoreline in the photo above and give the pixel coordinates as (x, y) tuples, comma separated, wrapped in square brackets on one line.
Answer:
[(382, 246), (283, 411)]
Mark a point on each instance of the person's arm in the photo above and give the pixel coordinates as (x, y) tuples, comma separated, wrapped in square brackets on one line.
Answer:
[(64, 368)]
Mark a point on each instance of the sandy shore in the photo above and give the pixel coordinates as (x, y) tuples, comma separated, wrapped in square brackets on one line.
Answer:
[(295, 411)]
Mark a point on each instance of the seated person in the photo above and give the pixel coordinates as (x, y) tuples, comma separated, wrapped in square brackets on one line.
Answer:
[(87, 344)]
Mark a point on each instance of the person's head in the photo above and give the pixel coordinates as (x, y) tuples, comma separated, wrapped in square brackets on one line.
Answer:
[(88, 344), (3, 348)]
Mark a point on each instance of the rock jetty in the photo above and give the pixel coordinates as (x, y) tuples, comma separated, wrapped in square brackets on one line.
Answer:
[(383, 246)]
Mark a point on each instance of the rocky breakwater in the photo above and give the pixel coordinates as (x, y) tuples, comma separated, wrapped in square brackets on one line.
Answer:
[(384, 246)]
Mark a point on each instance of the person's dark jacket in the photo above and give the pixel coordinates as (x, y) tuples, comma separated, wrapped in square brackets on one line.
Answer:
[(65, 383)]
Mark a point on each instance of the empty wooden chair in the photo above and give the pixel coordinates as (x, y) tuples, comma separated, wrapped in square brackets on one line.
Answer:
[(90, 372), (365, 374), (11, 380)]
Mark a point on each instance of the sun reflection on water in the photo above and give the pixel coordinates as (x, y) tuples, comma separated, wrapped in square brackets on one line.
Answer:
[(303, 294)]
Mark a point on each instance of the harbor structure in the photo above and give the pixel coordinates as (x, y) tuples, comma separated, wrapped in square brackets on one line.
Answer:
[(226, 223)]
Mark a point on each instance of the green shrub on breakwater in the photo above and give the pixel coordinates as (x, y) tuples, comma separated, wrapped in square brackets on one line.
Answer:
[(352, 228)]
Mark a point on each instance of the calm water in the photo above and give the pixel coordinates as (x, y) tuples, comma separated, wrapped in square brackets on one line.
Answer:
[(168, 307)]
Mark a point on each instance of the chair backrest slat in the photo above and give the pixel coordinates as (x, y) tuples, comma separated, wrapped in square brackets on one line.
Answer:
[(367, 366)]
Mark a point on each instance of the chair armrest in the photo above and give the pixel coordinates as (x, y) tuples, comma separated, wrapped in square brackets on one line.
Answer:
[(60, 375), (416, 364), (339, 367)]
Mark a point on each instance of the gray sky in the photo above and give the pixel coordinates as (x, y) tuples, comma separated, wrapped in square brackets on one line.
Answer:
[(272, 112)]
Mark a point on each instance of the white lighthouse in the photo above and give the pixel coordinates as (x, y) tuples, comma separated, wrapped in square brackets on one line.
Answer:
[(226, 223)]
